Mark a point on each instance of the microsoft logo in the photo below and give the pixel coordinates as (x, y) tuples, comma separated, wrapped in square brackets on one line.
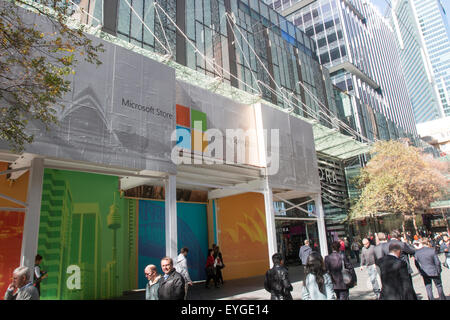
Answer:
[(191, 127)]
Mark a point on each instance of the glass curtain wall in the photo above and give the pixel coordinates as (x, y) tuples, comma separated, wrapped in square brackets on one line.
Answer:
[(243, 43)]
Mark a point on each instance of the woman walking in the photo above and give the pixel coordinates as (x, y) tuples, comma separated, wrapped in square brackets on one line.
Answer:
[(210, 269), (334, 264), (317, 284)]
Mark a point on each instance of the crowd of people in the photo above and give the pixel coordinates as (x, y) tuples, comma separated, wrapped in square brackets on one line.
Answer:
[(385, 257), (173, 284)]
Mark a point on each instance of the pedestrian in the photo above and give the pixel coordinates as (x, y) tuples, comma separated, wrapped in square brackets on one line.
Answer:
[(409, 238), (382, 248), (368, 261), (277, 280), (210, 269), (395, 281), (152, 286), (355, 249), (347, 247), (317, 284), (22, 287), (445, 248), (371, 239), (172, 286), (304, 252), (429, 266), (182, 268), (38, 274), (218, 262), (334, 263), (341, 246), (406, 250)]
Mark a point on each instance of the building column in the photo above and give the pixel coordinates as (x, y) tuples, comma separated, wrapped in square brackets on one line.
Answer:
[(110, 16), (270, 222), (32, 214), (321, 226), (171, 216)]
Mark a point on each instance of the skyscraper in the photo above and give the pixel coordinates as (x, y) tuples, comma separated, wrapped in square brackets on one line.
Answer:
[(358, 47), (424, 40)]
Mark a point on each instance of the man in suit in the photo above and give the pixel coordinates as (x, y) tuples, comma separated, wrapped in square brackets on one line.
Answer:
[(429, 267), (395, 281), (406, 249)]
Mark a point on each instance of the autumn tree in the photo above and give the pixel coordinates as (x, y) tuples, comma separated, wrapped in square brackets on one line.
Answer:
[(398, 179), (35, 62)]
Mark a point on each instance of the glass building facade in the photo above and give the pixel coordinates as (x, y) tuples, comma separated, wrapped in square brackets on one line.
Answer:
[(424, 37), (359, 48), (244, 43), (416, 66)]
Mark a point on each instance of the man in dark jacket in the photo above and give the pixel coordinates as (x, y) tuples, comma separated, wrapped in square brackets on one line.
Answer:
[(172, 285), (395, 280), (429, 267), (406, 249), (277, 280)]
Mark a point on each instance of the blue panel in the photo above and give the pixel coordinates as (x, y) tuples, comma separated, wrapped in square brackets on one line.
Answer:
[(193, 233), (152, 243), (184, 138)]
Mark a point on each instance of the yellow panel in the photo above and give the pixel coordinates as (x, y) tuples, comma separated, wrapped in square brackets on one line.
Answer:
[(243, 235)]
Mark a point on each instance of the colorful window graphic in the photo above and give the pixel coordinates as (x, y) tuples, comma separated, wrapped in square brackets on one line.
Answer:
[(192, 233), (191, 128), (11, 225), (243, 235), (87, 226), (11, 229)]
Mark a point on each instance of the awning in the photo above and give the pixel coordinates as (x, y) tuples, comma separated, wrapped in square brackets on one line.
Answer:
[(337, 145), (440, 204)]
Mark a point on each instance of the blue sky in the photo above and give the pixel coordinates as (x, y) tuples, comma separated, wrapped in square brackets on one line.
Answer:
[(382, 5)]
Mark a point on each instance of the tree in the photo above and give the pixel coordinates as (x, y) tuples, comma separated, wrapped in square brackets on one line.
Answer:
[(398, 179), (35, 64)]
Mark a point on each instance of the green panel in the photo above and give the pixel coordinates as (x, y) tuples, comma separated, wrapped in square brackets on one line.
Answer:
[(85, 223), (198, 116)]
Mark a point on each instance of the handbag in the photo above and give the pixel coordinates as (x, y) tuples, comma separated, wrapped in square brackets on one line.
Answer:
[(347, 276)]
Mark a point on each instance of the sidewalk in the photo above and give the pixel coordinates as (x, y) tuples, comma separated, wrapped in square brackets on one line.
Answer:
[(253, 288)]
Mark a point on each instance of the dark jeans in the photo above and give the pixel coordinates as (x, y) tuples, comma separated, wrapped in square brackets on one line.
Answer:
[(356, 254), (438, 283), (219, 274), (342, 294), (208, 279)]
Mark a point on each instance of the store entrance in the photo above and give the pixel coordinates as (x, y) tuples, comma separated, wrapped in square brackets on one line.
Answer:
[(291, 234)]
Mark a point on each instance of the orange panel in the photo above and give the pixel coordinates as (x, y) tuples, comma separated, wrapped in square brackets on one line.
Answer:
[(11, 229), (17, 189), (183, 116), (198, 141), (243, 235)]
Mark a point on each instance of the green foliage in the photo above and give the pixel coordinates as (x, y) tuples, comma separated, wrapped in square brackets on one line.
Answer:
[(398, 179), (35, 65)]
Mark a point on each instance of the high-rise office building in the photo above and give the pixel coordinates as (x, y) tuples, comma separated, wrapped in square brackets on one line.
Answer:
[(358, 46), (423, 36)]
